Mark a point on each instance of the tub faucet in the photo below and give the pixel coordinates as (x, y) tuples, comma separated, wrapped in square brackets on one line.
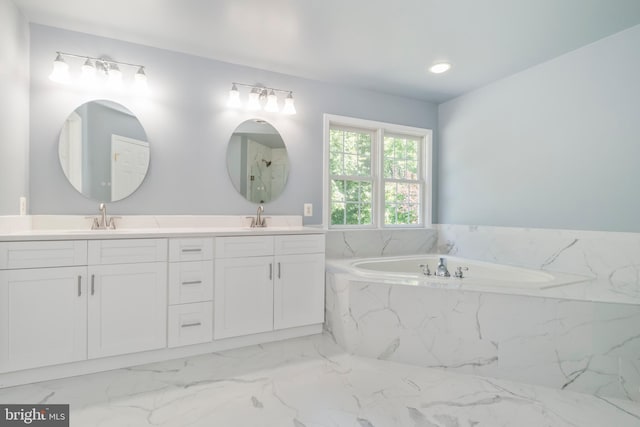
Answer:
[(442, 271), (425, 269), (458, 273)]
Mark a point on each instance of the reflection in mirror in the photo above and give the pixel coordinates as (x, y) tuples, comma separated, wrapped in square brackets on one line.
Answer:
[(257, 161), (103, 151)]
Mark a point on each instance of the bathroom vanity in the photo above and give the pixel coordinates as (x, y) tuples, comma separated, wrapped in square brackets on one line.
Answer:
[(79, 301)]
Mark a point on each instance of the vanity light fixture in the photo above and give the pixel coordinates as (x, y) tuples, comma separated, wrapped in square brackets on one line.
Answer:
[(259, 96), (289, 108), (60, 72), (88, 71), (254, 100), (114, 75), (92, 68), (272, 103), (234, 97), (140, 80)]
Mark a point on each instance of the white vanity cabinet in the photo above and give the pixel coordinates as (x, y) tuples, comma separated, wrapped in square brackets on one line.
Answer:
[(127, 294), (110, 298), (105, 301), (190, 291), (43, 309), (266, 283)]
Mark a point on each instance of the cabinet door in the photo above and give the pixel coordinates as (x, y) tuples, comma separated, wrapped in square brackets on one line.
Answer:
[(127, 308), (43, 317), (243, 296), (298, 291)]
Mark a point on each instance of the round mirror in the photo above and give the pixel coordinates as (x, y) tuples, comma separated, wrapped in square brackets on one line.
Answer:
[(257, 161), (103, 151)]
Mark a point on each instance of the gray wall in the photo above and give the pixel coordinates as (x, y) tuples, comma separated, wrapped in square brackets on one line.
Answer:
[(14, 108), (188, 126), (555, 146)]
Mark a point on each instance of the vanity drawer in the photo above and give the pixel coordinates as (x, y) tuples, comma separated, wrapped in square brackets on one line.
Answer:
[(235, 247), (127, 251), (190, 282), (66, 253), (190, 249), (299, 244), (190, 324)]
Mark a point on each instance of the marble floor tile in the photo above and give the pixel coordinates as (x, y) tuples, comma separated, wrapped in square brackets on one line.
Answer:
[(309, 382)]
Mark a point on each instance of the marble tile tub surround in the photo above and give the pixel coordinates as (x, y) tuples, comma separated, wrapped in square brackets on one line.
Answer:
[(585, 346), (612, 258), (311, 382), (368, 243)]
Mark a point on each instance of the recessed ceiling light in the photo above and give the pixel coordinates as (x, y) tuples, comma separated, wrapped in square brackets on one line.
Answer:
[(440, 67)]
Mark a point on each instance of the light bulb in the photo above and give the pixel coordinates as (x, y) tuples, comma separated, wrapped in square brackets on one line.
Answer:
[(234, 98), (289, 108), (140, 81), (254, 100), (272, 103), (60, 72), (88, 71), (114, 75)]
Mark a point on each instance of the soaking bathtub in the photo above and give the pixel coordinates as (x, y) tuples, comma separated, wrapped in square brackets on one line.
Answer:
[(476, 274), (501, 321)]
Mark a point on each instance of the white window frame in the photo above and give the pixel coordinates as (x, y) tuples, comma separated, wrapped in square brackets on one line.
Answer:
[(379, 129)]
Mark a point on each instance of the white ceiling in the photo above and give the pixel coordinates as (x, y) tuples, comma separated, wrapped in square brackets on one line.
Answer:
[(385, 45)]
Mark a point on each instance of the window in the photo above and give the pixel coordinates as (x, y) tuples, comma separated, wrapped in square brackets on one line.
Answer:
[(402, 181), (351, 176), (375, 174)]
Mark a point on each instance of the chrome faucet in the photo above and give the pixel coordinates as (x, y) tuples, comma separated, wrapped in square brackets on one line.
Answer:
[(103, 222), (442, 271), (103, 215), (258, 220)]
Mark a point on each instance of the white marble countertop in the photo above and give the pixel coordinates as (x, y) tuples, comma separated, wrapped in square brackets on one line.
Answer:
[(594, 290), (67, 227)]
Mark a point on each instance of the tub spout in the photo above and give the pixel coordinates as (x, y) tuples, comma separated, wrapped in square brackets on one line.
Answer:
[(442, 271)]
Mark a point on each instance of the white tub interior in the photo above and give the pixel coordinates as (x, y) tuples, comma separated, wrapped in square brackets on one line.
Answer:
[(479, 273)]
